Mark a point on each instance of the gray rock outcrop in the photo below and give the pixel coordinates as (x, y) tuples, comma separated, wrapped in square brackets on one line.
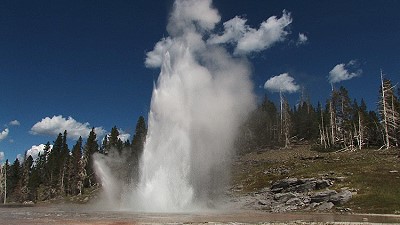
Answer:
[(298, 194)]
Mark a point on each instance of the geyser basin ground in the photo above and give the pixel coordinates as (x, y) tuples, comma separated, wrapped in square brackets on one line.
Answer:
[(78, 214)]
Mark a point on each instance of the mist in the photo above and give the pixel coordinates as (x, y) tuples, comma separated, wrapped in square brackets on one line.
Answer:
[(202, 95)]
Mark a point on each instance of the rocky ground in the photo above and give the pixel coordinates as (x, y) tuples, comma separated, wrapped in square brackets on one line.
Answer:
[(294, 194), (299, 179)]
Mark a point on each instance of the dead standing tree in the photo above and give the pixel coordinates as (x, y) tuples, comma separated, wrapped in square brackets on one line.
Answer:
[(388, 113)]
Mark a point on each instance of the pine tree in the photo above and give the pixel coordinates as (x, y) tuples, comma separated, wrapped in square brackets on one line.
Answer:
[(113, 143), (137, 147), (43, 173), (140, 136), (14, 187), (34, 182), (54, 162), (76, 169), (90, 148), (24, 180), (375, 133), (261, 130), (340, 113), (266, 124), (64, 164), (42, 165), (306, 121), (360, 117)]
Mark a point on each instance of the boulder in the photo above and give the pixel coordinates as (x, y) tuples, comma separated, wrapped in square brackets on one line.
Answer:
[(304, 186), (299, 185), (325, 206), (283, 208), (263, 202), (276, 190), (284, 184), (341, 197), (322, 183), (284, 197), (323, 196), (295, 202)]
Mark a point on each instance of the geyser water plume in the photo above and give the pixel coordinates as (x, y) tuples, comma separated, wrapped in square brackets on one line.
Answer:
[(108, 181), (202, 96)]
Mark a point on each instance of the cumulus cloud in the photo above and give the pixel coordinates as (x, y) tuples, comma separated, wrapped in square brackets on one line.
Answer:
[(282, 83), (343, 72), (35, 150), (57, 124), (195, 16), (2, 156), (20, 158), (234, 30), (302, 39), (248, 39), (123, 135), (4, 134), (14, 123)]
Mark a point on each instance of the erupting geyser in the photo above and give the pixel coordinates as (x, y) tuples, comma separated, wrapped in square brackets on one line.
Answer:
[(202, 96)]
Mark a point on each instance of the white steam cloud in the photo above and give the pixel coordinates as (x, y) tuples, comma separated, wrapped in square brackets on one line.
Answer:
[(282, 83), (343, 72), (202, 96), (4, 134), (58, 124), (253, 40)]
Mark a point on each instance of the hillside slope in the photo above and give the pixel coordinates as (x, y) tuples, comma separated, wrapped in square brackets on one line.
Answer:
[(371, 175)]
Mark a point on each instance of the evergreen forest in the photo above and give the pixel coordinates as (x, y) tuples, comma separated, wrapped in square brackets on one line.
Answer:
[(338, 124)]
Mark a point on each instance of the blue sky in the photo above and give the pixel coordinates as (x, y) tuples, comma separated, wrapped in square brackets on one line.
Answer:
[(81, 63)]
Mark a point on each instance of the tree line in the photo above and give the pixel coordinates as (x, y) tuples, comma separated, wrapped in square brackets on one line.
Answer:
[(340, 124), (60, 171)]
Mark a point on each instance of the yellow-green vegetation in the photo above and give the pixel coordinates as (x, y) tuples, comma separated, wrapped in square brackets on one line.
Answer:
[(373, 174)]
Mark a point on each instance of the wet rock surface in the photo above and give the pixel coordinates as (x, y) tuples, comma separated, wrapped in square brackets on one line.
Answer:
[(293, 194)]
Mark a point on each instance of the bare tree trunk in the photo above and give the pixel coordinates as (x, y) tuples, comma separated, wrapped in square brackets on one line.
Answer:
[(322, 131), (394, 123), (5, 184), (327, 138), (360, 132), (62, 181), (286, 121), (385, 115), (281, 104), (333, 123)]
